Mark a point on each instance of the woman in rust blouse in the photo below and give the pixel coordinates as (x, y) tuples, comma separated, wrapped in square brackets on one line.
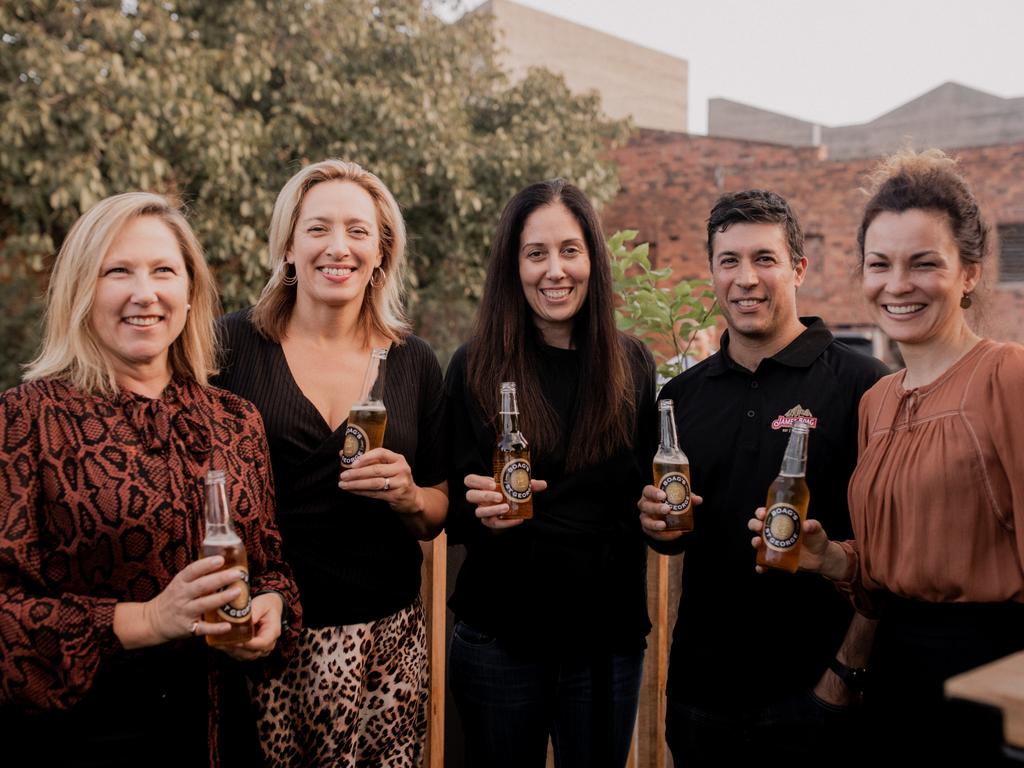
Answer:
[(102, 454), (937, 499)]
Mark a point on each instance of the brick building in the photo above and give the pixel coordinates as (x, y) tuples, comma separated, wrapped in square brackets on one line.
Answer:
[(671, 180)]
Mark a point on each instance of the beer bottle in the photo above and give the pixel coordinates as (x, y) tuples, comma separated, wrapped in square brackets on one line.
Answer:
[(672, 472), (512, 459), (786, 507), (220, 539), (368, 418)]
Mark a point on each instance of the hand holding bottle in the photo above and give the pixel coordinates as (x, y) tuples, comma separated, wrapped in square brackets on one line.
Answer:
[(491, 505)]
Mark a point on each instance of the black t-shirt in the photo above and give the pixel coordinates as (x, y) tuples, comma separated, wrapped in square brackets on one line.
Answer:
[(742, 638), (353, 558), (572, 579)]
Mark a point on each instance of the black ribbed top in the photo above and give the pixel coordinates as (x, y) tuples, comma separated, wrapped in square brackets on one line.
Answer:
[(573, 579), (353, 558)]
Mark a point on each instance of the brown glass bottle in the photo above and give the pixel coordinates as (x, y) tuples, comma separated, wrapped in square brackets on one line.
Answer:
[(512, 471), (786, 507), (368, 418), (220, 539), (672, 471)]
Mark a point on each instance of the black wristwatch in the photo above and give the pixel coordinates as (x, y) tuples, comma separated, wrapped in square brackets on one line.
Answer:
[(853, 677)]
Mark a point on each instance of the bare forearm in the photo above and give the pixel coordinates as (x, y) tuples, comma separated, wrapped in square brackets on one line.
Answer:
[(856, 647), (428, 518), (133, 627)]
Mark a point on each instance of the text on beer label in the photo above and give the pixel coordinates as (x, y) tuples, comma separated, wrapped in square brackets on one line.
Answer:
[(781, 527), (355, 444), (238, 610), (677, 491), (515, 480)]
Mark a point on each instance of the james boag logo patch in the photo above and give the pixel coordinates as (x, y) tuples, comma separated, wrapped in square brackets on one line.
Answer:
[(792, 416)]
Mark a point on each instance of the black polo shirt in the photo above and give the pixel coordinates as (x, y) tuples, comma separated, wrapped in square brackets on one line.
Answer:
[(744, 639)]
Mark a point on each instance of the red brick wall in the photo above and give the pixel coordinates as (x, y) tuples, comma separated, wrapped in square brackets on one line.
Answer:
[(670, 181)]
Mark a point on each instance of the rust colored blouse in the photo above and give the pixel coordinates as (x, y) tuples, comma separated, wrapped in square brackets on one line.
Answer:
[(937, 498)]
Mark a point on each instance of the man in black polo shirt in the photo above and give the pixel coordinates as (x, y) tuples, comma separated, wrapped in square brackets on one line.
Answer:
[(762, 666)]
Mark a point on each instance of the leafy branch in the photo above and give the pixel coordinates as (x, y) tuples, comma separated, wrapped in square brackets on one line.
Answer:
[(666, 318)]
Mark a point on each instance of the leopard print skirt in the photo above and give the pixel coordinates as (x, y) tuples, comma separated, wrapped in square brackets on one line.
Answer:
[(354, 695)]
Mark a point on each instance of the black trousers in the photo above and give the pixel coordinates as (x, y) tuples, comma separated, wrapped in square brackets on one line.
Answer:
[(918, 646)]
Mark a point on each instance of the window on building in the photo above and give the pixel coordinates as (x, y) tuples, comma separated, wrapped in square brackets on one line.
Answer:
[(1011, 253)]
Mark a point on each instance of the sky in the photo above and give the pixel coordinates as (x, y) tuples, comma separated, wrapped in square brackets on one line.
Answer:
[(834, 62)]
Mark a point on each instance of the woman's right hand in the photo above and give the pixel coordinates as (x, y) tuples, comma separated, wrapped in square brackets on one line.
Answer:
[(178, 610), (653, 511), (814, 549), (482, 492)]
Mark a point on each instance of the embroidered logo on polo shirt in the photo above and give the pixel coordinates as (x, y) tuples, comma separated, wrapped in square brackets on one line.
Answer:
[(792, 416)]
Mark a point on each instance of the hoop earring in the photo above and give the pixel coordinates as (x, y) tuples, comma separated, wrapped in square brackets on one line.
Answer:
[(379, 282), (966, 301), (291, 279)]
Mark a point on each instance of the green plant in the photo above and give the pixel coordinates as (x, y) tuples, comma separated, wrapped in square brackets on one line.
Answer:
[(667, 316)]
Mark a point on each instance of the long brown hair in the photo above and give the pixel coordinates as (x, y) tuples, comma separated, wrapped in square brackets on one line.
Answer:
[(507, 342)]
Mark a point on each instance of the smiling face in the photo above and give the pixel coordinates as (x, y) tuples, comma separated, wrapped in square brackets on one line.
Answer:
[(913, 277), (755, 281), (335, 245), (554, 268), (140, 302)]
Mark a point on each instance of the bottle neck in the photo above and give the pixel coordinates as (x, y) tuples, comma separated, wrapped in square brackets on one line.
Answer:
[(669, 439), (373, 382), (218, 515), (794, 462), (509, 413)]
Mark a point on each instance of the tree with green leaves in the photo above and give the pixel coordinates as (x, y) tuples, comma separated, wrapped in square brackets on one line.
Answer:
[(664, 314), (218, 103)]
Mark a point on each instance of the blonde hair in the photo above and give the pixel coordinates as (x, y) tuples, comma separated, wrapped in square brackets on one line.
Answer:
[(70, 348), (382, 311)]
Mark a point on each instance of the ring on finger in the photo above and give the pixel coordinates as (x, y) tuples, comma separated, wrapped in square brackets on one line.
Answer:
[(195, 626), (387, 484)]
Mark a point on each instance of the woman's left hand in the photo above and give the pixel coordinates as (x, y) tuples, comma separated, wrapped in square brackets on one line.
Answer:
[(383, 474), (266, 619)]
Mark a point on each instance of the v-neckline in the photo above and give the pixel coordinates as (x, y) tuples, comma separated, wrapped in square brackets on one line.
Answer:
[(325, 425)]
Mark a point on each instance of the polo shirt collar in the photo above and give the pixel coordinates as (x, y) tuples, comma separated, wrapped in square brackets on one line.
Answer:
[(799, 353)]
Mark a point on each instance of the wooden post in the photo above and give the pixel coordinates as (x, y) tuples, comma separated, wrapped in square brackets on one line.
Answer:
[(433, 592)]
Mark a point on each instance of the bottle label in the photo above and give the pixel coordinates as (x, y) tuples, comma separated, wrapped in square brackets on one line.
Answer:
[(515, 480), (238, 610), (356, 441), (677, 491), (781, 527)]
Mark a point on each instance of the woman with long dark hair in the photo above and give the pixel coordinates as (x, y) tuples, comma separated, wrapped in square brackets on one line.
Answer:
[(551, 612)]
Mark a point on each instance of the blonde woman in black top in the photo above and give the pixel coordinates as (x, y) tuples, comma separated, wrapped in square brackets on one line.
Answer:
[(356, 692)]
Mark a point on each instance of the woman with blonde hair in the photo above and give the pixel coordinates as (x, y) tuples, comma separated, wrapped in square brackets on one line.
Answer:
[(937, 498), (356, 692), (103, 589)]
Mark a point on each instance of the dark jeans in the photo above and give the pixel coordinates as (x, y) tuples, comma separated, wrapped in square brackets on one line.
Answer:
[(510, 703), (798, 730)]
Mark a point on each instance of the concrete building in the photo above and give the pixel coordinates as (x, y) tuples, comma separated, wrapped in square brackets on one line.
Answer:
[(949, 116), (632, 80)]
